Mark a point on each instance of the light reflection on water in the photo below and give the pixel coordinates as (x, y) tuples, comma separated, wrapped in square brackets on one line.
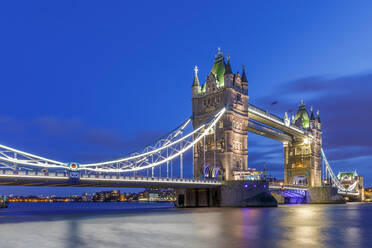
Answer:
[(159, 225)]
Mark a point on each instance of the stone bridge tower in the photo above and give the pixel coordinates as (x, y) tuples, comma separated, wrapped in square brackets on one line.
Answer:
[(302, 157), (225, 151)]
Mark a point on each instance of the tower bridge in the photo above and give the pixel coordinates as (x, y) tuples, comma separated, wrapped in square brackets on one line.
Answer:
[(221, 119)]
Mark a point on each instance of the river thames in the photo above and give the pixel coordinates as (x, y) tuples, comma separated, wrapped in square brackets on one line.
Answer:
[(113, 225)]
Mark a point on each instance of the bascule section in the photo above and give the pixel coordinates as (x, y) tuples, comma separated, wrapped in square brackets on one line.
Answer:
[(302, 156), (223, 151)]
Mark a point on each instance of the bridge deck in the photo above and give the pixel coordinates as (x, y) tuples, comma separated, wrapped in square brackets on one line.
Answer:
[(61, 179)]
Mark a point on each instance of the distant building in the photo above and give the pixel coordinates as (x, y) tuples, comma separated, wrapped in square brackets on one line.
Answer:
[(107, 196), (154, 197), (348, 179), (368, 194), (122, 198)]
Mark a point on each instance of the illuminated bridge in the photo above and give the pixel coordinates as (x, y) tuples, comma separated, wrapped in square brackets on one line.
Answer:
[(221, 119), (22, 168)]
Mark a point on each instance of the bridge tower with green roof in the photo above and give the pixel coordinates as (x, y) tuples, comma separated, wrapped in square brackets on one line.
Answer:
[(225, 150), (302, 158)]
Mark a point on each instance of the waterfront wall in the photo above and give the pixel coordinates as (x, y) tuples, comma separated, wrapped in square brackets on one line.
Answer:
[(324, 195)]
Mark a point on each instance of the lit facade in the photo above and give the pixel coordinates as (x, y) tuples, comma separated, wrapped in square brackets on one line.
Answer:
[(224, 150), (302, 156)]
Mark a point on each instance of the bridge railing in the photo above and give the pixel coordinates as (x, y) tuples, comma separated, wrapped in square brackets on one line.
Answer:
[(266, 113), (272, 132), (64, 175)]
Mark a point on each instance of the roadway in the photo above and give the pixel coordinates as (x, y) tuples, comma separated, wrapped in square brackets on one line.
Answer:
[(52, 179)]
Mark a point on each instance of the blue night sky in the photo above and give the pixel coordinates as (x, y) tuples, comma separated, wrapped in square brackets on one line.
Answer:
[(92, 80)]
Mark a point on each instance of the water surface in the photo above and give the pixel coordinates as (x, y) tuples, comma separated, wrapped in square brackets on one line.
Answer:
[(113, 225)]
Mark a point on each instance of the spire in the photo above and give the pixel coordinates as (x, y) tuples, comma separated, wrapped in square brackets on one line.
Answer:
[(287, 121), (244, 76), (312, 117), (219, 52), (196, 79), (228, 66), (218, 68), (318, 117)]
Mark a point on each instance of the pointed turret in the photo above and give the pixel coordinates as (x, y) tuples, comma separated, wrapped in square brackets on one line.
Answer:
[(228, 69), (229, 75), (196, 85), (318, 116), (287, 121), (312, 117), (244, 76), (196, 79), (318, 120)]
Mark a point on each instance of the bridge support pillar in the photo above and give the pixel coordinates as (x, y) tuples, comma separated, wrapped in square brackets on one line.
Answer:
[(231, 194), (205, 197)]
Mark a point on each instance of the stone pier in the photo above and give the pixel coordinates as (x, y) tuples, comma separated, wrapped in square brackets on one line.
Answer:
[(314, 195), (231, 194)]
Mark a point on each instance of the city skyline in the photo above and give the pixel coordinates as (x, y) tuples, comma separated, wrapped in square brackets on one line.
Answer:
[(81, 89)]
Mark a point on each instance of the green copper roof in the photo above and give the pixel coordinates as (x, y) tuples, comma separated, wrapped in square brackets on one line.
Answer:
[(218, 69), (348, 174), (303, 115)]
